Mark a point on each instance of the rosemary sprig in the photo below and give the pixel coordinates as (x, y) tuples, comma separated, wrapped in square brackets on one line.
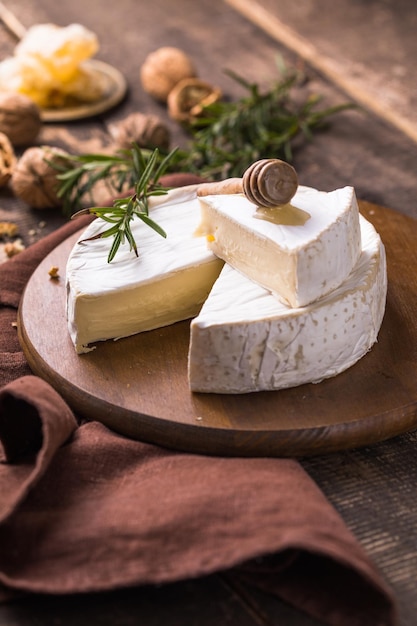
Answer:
[(78, 175), (230, 136), (147, 172)]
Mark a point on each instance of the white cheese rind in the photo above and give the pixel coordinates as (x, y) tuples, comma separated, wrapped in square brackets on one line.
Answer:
[(299, 263), (244, 340), (168, 282)]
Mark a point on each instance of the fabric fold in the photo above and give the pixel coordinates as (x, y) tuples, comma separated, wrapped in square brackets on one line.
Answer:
[(85, 509), (34, 423)]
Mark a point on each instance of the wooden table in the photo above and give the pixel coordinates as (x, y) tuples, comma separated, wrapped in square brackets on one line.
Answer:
[(373, 488)]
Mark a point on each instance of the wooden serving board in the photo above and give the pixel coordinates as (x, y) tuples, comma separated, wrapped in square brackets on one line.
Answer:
[(138, 386)]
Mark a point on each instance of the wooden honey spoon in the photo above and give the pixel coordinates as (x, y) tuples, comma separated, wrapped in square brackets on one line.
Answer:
[(267, 183)]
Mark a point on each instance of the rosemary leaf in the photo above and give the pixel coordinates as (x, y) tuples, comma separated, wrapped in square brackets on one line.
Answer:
[(145, 218), (115, 246)]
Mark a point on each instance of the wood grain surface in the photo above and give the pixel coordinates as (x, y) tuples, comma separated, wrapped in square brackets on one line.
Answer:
[(358, 69), (138, 386)]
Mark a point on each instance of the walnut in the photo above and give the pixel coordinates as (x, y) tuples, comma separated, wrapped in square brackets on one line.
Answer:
[(7, 160), (34, 179), (163, 69), (187, 99), (20, 118), (146, 130)]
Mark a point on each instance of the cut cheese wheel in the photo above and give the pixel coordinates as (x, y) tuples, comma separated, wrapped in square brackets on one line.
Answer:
[(244, 340), (168, 281)]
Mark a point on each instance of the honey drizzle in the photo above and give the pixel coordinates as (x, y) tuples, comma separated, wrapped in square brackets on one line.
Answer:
[(283, 215)]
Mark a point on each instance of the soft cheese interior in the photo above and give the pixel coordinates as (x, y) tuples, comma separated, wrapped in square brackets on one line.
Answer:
[(167, 283), (244, 340), (300, 260)]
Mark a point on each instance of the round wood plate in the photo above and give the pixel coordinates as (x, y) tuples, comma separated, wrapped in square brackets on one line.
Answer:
[(138, 386), (115, 92)]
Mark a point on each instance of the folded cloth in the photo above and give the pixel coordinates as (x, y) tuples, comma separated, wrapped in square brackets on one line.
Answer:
[(85, 509)]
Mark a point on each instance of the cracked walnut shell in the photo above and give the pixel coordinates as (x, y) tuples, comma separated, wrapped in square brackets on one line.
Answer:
[(146, 130), (7, 160), (187, 99), (34, 179), (20, 118)]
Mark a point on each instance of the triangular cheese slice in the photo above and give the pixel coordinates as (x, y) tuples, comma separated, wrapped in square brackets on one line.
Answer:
[(300, 252)]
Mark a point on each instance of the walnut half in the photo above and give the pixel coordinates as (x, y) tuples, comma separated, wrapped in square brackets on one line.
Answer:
[(186, 101)]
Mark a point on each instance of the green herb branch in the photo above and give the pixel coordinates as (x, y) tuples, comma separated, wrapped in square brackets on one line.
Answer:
[(78, 175), (230, 136), (147, 172)]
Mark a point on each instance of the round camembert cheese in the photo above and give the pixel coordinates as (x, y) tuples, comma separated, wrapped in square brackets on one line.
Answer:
[(300, 300)]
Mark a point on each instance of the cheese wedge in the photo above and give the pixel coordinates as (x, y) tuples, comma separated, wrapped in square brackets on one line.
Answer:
[(307, 251), (168, 282), (245, 340)]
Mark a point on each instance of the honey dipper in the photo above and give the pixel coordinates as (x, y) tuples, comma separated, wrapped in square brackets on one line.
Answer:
[(267, 183)]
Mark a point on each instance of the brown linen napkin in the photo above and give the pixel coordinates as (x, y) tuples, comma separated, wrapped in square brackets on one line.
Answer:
[(84, 509)]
